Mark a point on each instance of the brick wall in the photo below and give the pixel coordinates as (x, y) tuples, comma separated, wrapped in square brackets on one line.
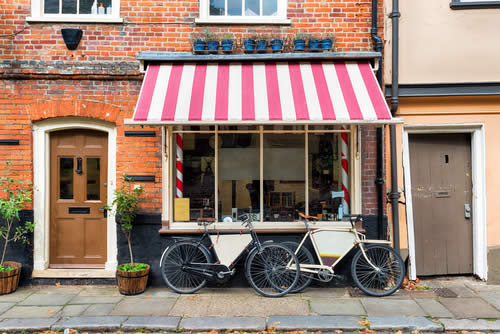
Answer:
[(40, 78)]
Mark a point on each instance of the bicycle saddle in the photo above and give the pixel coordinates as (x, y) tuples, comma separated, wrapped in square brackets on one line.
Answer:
[(308, 217)]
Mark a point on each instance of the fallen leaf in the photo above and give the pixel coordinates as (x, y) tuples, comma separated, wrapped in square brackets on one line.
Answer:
[(398, 332), (338, 331), (364, 323), (149, 296), (271, 329), (58, 284), (52, 311), (276, 323)]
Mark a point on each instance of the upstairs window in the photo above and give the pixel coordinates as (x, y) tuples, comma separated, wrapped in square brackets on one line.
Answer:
[(474, 4), (243, 11), (75, 10)]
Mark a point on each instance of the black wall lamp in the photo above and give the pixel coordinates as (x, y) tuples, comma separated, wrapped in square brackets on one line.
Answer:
[(71, 37)]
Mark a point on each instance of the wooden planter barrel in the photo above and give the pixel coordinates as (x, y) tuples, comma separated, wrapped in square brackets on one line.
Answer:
[(9, 280), (132, 282)]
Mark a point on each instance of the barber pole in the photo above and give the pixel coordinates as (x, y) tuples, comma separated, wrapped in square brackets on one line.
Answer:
[(179, 164), (345, 169)]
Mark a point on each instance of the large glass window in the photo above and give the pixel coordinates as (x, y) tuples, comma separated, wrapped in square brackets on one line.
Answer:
[(95, 7), (252, 7)]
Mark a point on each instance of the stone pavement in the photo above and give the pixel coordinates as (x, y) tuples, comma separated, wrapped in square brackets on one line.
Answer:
[(438, 305)]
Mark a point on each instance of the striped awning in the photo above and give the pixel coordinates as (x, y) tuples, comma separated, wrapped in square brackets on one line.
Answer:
[(260, 93)]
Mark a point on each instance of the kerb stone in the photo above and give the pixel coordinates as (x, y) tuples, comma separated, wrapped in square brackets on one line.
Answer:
[(223, 323), (324, 322), (151, 323), (403, 323), (33, 324), (91, 323), (471, 325)]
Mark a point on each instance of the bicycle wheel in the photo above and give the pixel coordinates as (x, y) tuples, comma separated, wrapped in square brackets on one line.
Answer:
[(266, 270), (385, 278), (173, 265), (305, 257)]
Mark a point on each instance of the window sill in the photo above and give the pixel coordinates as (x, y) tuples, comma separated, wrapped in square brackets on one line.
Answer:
[(74, 19), (242, 20), (474, 5)]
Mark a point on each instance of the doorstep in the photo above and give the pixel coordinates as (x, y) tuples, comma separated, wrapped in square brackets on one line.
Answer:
[(74, 273)]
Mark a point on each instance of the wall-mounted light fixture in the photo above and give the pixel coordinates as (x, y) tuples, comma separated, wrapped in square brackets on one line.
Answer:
[(71, 37)]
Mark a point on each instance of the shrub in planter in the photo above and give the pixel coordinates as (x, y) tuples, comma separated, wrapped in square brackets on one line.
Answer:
[(313, 45), (299, 43), (261, 46), (13, 198), (227, 43), (249, 45), (277, 45), (327, 43), (131, 277), (199, 46)]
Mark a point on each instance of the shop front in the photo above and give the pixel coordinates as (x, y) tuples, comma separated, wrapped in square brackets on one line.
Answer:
[(273, 139)]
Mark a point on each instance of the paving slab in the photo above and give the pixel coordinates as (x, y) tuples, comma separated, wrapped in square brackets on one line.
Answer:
[(329, 306), (238, 306), (73, 310), (403, 323), (224, 323), (98, 310), (107, 323), (462, 291), (470, 325), (32, 324), (5, 306), (95, 299), (45, 299), (144, 307), (320, 322), (151, 323), (492, 297), (325, 293), (391, 307), (470, 308), (17, 296), (32, 312), (434, 308), (156, 293), (101, 291), (61, 289)]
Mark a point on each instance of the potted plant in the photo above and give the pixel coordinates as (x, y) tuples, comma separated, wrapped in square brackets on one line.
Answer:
[(277, 43), (249, 44), (212, 42), (326, 43), (14, 197), (227, 43), (299, 43), (131, 277), (261, 44), (199, 44), (313, 44)]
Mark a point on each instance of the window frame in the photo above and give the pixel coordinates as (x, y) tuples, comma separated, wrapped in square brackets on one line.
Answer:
[(168, 193), (475, 4), (37, 15), (281, 18)]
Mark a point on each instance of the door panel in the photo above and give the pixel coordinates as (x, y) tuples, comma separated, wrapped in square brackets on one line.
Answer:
[(78, 190), (441, 179)]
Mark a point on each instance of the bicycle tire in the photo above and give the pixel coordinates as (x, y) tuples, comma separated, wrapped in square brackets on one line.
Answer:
[(305, 257), (178, 255), (378, 283), (266, 270)]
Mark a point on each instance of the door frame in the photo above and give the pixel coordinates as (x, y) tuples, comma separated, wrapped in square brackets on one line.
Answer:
[(41, 196), (479, 237)]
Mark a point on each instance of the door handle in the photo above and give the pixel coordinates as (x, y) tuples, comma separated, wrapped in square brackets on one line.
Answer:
[(467, 211), (78, 165), (104, 212)]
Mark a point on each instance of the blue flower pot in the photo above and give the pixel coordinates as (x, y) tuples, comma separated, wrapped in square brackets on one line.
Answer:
[(249, 45), (326, 44), (261, 46), (299, 45), (227, 46), (213, 46), (199, 46), (276, 45), (313, 45)]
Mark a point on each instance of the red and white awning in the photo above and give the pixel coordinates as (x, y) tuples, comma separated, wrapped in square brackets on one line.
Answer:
[(277, 92)]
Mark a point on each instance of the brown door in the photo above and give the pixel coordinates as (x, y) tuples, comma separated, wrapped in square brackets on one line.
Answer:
[(78, 177), (441, 181)]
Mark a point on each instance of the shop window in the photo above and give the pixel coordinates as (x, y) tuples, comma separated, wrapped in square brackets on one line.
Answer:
[(242, 11), (474, 4), (75, 10)]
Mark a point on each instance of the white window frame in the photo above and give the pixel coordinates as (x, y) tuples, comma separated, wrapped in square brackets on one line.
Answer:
[(474, 4), (168, 184), (281, 18), (37, 15)]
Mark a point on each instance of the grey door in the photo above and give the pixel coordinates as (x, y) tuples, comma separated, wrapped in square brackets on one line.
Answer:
[(441, 181)]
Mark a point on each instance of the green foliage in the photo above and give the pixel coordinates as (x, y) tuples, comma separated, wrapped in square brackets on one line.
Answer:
[(133, 267), (124, 207), (14, 197), (2, 268)]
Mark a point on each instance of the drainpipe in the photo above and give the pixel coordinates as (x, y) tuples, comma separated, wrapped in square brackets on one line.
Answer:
[(379, 181), (394, 194)]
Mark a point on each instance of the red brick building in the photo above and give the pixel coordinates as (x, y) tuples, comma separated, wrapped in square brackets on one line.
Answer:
[(59, 105)]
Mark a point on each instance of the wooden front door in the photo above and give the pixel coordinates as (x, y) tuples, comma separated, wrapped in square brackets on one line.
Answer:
[(441, 181), (78, 176)]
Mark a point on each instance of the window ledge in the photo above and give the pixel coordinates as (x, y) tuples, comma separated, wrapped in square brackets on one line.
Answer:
[(74, 19), (242, 20), (475, 5)]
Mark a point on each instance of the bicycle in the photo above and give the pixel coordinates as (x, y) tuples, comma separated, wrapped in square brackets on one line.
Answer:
[(376, 268), (188, 263)]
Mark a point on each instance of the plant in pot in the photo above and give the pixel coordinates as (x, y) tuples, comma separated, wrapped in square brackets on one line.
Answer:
[(227, 43), (131, 277), (261, 44), (13, 198), (313, 44), (299, 42), (277, 43), (199, 43), (327, 42), (249, 44), (212, 42)]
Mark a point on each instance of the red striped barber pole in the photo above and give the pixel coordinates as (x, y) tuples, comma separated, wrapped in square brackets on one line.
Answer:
[(179, 165), (345, 169)]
